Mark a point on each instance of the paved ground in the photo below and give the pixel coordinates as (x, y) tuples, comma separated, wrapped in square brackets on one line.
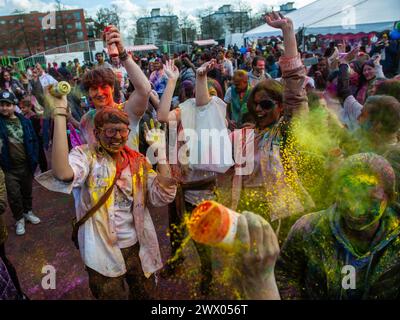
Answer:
[(49, 244)]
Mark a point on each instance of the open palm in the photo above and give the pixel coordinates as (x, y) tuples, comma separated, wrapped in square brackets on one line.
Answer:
[(278, 21), (206, 67), (171, 70)]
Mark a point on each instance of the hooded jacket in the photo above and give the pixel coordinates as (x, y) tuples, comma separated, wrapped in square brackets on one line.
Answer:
[(316, 251), (30, 143)]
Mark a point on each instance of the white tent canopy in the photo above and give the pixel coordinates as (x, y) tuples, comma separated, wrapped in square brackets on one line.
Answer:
[(143, 47), (333, 17), (205, 43)]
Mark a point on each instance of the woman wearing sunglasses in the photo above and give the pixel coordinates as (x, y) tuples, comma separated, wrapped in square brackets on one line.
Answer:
[(264, 184), (112, 187)]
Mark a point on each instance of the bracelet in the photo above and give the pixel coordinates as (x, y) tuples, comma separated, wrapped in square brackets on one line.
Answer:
[(124, 55), (61, 114)]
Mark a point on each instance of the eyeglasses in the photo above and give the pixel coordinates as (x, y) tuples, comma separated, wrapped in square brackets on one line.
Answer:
[(267, 104), (112, 132)]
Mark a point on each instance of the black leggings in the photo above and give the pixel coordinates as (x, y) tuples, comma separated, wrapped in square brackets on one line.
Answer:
[(11, 270)]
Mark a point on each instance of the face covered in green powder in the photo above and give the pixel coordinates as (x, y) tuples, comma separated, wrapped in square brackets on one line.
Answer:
[(361, 200)]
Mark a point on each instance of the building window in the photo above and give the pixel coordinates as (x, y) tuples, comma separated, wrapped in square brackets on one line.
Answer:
[(69, 26), (77, 16), (79, 35), (2, 22), (78, 25), (21, 20)]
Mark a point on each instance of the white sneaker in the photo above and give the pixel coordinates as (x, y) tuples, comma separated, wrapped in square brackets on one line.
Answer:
[(20, 227), (30, 217)]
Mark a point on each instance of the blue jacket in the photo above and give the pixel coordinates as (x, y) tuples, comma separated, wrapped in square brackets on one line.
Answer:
[(30, 143)]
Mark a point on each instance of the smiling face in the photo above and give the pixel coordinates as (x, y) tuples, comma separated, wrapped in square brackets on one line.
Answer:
[(39, 69), (7, 76), (369, 72), (112, 136), (260, 67), (102, 96), (266, 110), (7, 109), (25, 107)]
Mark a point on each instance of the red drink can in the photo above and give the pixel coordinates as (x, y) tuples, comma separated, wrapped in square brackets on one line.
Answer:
[(112, 48)]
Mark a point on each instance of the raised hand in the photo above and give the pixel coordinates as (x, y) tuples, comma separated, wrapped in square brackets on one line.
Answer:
[(377, 59), (278, 21), (55, 103), (112, 35), (171, 70), (206, 67), (350, 56), (155, 136)]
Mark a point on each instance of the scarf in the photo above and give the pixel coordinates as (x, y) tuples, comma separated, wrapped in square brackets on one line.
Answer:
[(239, 106)]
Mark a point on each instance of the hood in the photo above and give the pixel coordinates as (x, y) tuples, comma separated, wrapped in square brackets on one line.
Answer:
[(388, 231)]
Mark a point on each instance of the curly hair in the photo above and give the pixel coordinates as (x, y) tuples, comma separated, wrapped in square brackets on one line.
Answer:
[(98, 77), (110, 115)]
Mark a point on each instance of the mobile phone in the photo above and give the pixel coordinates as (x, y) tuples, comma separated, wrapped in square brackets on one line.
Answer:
[(310, 61)]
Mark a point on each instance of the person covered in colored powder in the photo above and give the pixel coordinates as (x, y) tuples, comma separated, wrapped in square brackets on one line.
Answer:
[(236, 97), (350, 250), (265, 184), (118, 241), (100, 86)]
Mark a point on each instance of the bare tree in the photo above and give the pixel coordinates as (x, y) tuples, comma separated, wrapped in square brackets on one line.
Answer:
[(241, 21), (211, 27), (105, 17), (188, 28)]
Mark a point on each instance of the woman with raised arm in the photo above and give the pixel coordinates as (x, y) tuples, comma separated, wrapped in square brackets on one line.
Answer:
[(262, 181)]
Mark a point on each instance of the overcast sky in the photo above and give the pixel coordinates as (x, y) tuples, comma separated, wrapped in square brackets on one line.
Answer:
[(133, 6)]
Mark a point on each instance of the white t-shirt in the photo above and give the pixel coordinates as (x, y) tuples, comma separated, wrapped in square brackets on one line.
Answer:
[(228, 95), (124, 223), (46, 80)]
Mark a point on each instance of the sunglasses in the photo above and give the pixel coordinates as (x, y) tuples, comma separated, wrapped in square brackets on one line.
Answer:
[(267, 105), (112, 132)]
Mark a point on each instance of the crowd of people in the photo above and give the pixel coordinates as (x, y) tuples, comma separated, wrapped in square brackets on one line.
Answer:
[(307, 151)]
